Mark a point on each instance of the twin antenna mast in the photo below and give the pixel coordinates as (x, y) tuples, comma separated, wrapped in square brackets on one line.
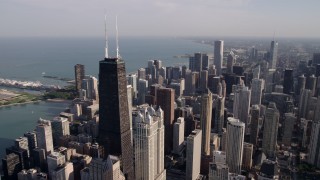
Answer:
[(106, 37)]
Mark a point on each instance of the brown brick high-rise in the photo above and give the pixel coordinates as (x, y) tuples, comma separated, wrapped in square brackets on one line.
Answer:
[(165, 99), (79, 75)]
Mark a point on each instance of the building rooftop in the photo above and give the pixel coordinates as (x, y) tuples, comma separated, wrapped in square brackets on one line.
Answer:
[(268, 168), (216, 166), (235, 122)]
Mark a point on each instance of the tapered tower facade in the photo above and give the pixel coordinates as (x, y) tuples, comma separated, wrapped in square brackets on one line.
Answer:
[(114, 122), (114, 118)]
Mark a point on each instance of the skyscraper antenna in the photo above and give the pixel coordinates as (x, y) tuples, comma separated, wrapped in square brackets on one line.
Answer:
[(117, 38), (106, 36), (274, 34)]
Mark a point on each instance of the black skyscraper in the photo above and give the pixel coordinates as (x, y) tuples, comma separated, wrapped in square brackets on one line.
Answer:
[(114, 123), (316, 58), (288, 81), (197, 62)]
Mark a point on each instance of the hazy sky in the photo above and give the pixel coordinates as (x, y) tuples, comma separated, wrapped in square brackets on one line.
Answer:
[(298, 18)]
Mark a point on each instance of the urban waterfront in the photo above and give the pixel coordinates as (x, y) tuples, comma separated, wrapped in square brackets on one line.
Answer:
[(42, 54), (210, 90), (18, 119)]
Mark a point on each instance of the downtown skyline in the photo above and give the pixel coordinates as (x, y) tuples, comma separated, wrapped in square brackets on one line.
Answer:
[(198, 96), (245, 109)]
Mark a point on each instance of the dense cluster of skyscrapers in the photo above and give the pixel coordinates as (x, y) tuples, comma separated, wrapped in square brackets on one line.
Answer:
[(214, 119)]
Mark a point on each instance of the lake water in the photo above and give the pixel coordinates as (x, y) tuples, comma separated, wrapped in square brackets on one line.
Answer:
[(28, 58)]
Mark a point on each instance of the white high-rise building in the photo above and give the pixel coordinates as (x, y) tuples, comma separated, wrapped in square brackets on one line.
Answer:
[(256, 91), (132, 80), (182, 85), (273, 54), (269, 80), (178, 135), (219, 157), (205, 118), (270, 130), (218, 168), (44, 135), (113, 168), (129, 94), (141, 73), (241, 104), (163, 72), (158, 64), (193, 155), (31, 174), (149, 144), (234, 146), (55, 160), (60, 127), (90, 85), (218, 56), (22, 143), (256, 72), (230, 62)]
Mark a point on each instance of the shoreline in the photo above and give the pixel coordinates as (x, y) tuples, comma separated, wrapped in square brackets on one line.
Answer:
[(59, 100), (15, 104), (37, 101)]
